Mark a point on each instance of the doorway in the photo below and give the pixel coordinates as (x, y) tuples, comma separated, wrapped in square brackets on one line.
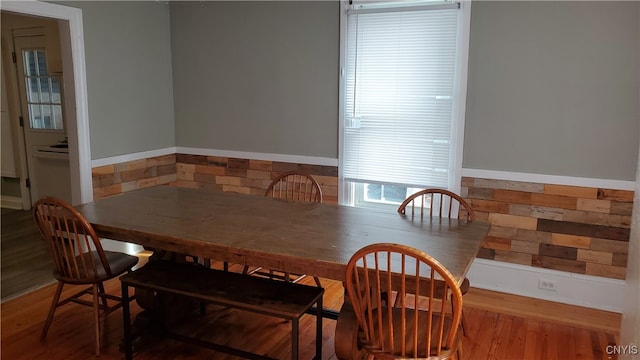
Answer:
[(69, 22), (37, 77)]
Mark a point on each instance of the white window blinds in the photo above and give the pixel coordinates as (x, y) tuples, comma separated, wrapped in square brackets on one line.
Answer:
[(399, 95)]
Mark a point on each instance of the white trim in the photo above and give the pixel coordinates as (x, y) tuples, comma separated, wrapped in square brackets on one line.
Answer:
[(296, 159), (11, 202), (549, 179), (81, 166), (132, 157), (343, 191), (574, 289), (82, 108), (37, 8), (460, 94)]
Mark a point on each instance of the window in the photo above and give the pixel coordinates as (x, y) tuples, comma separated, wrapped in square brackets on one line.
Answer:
[(43, 92), (401, 86)]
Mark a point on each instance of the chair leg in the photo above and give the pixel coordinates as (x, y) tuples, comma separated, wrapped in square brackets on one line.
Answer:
[(459, 353), (317, 280), (52, 310), (463, 323), (102, 295), (96, 317)]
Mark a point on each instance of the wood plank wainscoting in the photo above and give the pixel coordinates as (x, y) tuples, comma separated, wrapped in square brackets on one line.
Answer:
[(580, 230), (205, 172)]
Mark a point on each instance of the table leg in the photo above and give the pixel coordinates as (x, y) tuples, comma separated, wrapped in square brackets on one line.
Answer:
[(128, 346), (319, 330)]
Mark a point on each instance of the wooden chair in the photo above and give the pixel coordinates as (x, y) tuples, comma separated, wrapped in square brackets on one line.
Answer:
[(79, 259), (441, 203), (297, 186), (418, 324)]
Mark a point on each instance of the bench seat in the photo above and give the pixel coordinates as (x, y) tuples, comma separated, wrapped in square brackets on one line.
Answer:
[(249, 293)]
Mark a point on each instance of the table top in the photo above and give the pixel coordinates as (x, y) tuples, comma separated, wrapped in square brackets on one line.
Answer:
[(308, 238)]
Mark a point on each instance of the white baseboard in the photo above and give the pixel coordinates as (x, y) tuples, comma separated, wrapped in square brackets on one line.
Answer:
[(11, 202), (574, 289)]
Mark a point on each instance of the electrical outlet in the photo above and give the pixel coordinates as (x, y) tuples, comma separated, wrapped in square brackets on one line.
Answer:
[(546, 284)]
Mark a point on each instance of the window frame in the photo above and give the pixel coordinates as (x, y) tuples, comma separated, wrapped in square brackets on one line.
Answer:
[(347, 194)]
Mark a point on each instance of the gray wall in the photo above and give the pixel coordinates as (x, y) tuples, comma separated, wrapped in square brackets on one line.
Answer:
[(553, 88), (129, 80), (257, 76)]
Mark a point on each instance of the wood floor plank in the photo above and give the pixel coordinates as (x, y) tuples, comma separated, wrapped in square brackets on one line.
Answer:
[(567, 341), (535, 346), (25, 263), (515, 339), (478, 341), (552, 350)]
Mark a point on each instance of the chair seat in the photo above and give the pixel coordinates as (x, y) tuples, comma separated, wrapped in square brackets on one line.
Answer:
[(410, 320), (119, 263)]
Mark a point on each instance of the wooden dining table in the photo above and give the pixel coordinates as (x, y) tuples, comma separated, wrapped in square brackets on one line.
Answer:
[(295, 237)]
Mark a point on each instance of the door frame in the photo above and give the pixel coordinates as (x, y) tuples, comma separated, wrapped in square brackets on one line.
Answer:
[(77, 114)]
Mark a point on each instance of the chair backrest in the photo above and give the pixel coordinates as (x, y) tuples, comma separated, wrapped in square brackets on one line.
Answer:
[(439, 202), (295, 185), (384, 301), (77, 253)]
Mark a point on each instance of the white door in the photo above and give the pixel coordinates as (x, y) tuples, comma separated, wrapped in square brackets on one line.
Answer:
[(42, 122)]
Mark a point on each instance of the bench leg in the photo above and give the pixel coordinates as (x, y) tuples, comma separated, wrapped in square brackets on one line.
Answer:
[(294, 338), (126, 317), (319, 330)]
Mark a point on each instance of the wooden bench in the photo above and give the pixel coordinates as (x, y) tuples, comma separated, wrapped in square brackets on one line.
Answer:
[(249, 293)]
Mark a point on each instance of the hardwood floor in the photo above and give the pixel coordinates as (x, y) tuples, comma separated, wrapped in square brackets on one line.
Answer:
[(26, 264), (491, 334)]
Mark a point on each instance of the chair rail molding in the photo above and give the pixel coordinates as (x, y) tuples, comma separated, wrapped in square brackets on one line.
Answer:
[(549, 179), (132, 157), (298, 159)]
